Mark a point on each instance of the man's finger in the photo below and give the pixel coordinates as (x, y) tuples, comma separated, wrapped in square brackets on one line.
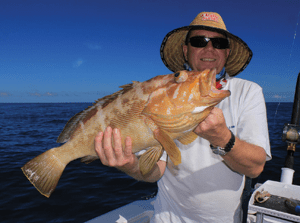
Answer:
[(128, 147), (106, 145), (118, 149), (98, 147)]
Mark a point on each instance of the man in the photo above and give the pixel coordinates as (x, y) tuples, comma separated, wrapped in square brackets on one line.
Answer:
[(233, 140)]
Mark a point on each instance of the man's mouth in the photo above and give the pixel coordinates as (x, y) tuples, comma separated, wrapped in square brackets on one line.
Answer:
[(208, 60)]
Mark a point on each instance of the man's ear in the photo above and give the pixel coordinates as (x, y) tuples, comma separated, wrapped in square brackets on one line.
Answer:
[(228, 52), (185, 49)]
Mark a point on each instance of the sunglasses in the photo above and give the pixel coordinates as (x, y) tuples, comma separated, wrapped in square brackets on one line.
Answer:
[(202, 41)]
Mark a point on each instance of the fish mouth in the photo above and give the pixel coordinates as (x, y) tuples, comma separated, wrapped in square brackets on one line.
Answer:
[(208, 86), (207, 82)]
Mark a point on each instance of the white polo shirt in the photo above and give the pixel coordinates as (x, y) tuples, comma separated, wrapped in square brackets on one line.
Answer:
[(203, 188)]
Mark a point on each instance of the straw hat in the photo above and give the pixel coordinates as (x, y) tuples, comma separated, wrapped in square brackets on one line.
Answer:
[(171, 48)]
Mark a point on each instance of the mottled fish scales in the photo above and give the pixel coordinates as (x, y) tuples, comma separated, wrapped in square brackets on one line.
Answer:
[(73, 123), (153, 113)]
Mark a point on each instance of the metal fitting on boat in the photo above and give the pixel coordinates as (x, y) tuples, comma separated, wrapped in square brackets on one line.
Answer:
[(291, 133)]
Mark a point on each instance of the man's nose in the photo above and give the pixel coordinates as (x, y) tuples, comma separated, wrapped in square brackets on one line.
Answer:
[(209, 45)]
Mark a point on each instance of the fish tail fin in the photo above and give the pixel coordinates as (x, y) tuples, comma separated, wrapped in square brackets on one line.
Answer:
[(44, 171)]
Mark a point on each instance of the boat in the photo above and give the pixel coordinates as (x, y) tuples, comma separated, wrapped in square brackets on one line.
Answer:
[(140, 211), (270, 202)]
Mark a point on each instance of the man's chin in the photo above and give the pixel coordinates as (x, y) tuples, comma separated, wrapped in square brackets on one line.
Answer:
[(208, 66)]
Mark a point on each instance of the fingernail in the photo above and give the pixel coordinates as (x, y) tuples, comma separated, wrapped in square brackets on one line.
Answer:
[(108, 128), (99, 134), (116, 131)]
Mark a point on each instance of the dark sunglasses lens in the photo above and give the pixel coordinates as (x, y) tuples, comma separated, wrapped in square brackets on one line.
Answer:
[(220, 43), (200, 41)]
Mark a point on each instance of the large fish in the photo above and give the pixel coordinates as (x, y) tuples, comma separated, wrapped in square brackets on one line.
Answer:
[(153, 113)]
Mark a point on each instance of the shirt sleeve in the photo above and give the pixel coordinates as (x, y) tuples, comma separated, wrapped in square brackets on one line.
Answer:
[(252, 124)]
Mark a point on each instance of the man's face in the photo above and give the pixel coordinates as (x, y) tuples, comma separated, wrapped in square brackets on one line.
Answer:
[(207, 57)]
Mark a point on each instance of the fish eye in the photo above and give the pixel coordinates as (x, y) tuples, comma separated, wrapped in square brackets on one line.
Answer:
[(180, 76)]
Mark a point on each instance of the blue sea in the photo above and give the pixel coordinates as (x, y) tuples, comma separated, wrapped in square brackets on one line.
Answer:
[(84, 191)]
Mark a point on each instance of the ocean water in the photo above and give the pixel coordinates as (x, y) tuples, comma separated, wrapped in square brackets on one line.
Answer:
[(84, 191)]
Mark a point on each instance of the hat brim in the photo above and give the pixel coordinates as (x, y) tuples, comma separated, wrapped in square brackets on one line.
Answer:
[(172, 54)]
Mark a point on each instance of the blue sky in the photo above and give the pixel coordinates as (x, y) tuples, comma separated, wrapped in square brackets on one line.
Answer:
[(81, 50)]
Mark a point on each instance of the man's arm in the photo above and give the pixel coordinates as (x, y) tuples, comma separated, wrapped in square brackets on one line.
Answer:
[(244, 158), (124, 160)]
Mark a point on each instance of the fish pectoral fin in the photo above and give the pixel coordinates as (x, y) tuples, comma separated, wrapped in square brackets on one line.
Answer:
[(169, 145), (165, 140), (149, 159), (44, 172), (188, 138), (88, 159)]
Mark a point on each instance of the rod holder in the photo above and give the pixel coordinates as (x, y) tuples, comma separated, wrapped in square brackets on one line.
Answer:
[(291, 133)]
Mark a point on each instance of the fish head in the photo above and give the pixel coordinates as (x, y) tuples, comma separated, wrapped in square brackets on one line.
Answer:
[(186, 93)]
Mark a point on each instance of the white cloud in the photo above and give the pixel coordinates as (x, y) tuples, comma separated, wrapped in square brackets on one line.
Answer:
[(35, 94), (50, 94), (278, 96), (93, 46), (4, 94), (78, 63)]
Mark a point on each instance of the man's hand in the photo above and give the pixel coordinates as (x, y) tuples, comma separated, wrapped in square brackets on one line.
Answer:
[(115, 156), (244, 158), (123, 159), (214, 128)]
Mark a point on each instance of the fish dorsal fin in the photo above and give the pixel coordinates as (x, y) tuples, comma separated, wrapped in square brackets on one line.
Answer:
[(110, 98), (188, 138), (149, 159), (72, 124), (86, 114)]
